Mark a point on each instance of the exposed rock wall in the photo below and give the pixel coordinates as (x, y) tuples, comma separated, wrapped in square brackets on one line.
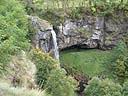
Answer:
[(44, 37), (90, 32), (86, 33)]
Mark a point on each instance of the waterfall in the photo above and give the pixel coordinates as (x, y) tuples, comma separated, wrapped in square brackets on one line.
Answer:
[(55, 46), (42, 38)]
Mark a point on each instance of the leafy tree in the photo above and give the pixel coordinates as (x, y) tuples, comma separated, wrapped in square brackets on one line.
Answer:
[(105, 87)]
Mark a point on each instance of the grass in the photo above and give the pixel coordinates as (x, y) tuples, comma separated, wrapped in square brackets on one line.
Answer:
[(7, 90), (89, 62)]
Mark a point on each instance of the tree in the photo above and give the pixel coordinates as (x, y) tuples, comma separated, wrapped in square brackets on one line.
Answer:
[(105, 87)]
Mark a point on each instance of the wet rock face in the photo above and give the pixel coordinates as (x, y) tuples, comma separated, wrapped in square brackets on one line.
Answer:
[(44, 37)]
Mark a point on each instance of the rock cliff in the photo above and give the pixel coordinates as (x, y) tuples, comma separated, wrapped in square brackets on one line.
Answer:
[(101, 32)]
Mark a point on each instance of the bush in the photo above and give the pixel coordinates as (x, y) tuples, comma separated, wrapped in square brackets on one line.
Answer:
[(50, 76), (105, 7), (105, 87), (59, 84), (117, 65), (21, 71), (13, 30), (125, 88), (44, 64), (6, 90)]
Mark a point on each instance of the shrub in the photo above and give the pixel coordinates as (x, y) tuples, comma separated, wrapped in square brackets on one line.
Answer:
[(6, 90), (59, 84), (50, 76), (125, 88), (105, 87), (44, 64), (105, 7), (21, 71), (117, 65), (13, 30)]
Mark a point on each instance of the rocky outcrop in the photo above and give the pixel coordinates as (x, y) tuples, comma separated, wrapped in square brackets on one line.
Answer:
[(44, 37), (115, 28), (83, 33), (90, 32), (93, 32)]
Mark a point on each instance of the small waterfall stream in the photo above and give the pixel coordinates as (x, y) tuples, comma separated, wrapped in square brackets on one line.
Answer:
[(55, 46), (42, 37)]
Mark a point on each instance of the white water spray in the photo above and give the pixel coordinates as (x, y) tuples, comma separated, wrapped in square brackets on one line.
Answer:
[(55, 46)]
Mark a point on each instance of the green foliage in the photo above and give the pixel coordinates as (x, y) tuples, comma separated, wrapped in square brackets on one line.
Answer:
[(50, 76), (53, 16), (13, 30), (105, 87), (77, 13), (117, 65), (120, 68), (59, 84), (88, 62), (105, 7), (44, 64), (76, 8), (125, 88), (29, 6)]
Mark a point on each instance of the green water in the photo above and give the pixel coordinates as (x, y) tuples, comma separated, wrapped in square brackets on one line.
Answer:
[(89, 62)]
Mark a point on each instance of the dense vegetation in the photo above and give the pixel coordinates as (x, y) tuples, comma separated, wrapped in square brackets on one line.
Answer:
[(13, 30), (105, 73), (58, 10)]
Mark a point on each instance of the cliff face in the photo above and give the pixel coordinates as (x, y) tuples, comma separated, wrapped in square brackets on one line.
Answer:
[(87, 33), (42, 33), (90, 32), (44, 36), (93, 32)]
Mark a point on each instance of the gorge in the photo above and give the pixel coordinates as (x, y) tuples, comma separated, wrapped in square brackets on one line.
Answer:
[(64, 47)]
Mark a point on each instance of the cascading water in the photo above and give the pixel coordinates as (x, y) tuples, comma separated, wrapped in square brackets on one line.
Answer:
[(42, 39), (55, 46)]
